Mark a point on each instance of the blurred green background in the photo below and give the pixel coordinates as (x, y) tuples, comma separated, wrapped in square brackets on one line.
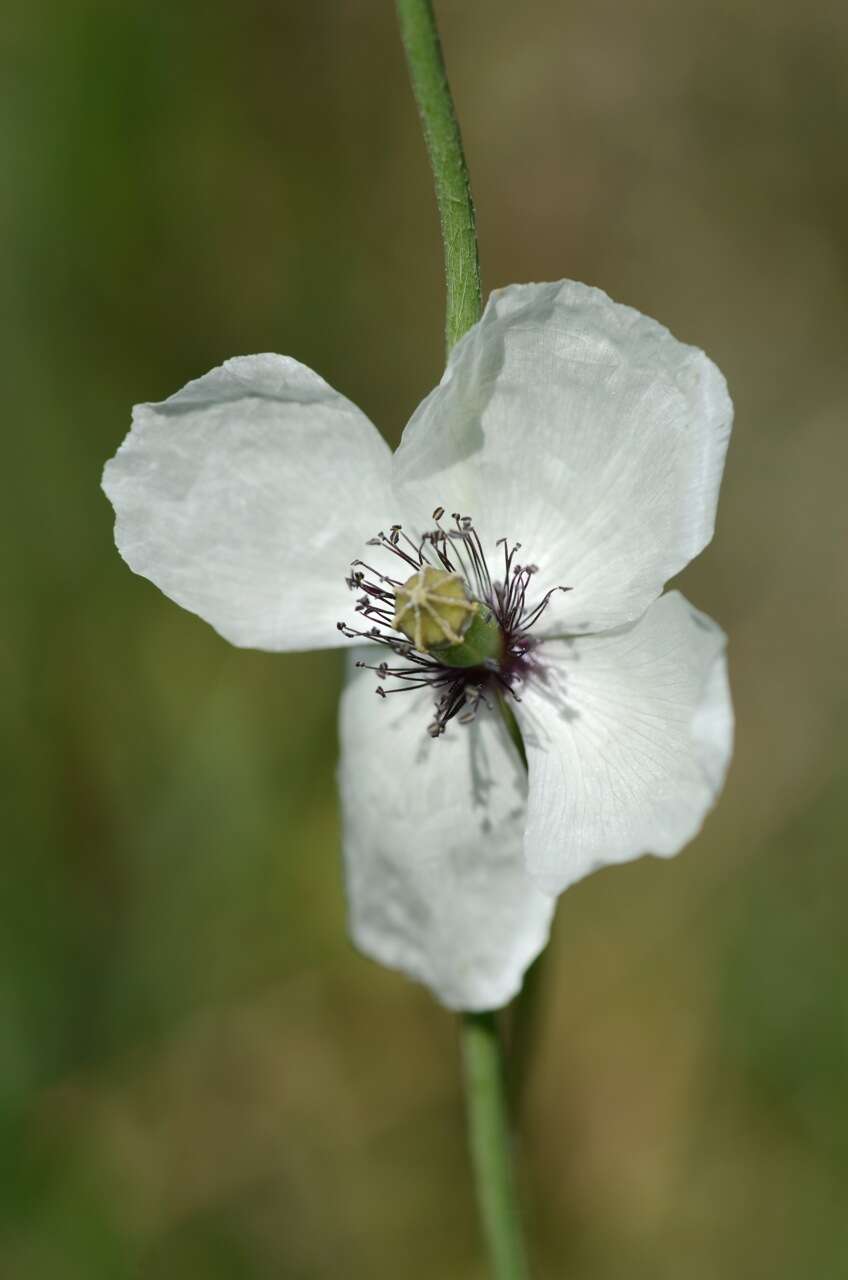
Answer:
[(198, 1077)]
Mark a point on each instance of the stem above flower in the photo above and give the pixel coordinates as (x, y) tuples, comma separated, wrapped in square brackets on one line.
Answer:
[(450, 173)]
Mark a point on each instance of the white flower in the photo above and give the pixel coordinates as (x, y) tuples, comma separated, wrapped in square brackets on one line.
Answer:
[(564, 422)]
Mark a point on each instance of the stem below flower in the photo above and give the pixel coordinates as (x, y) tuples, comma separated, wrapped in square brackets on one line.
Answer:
[(489, 1141), (508, 717), (453, 190), (524, 1012), (488, 1123)]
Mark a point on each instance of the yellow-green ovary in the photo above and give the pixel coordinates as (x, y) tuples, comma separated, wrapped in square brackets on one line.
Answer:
[(433, 609)]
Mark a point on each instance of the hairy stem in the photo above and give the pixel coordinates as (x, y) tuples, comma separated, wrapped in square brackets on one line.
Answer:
[(450, 174)]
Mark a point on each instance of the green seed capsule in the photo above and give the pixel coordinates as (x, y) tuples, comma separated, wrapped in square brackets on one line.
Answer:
[(434, 610)]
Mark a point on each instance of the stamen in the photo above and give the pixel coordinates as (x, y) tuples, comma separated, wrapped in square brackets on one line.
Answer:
[(424, 619)]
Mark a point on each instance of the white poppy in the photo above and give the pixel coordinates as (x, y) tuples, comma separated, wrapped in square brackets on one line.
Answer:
[(581, 448)]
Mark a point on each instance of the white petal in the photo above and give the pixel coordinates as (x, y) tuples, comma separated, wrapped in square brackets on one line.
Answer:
[(245, 497), (628, 742), (433, 847), (586, 432)]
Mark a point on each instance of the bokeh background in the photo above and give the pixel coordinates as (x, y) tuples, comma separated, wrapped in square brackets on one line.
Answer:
[(198, 1077)]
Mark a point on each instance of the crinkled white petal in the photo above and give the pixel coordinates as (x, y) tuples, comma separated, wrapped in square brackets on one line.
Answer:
[(628, 739), (245, 497), (433, 847), (583, 430)]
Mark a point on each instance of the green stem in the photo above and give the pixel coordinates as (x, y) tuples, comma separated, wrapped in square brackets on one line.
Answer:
[(524, 1014), (508, 717), (485, 1086), (489, 1141), (453, 191)]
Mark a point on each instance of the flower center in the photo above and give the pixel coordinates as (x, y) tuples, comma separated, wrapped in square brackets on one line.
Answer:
[(458, 631)]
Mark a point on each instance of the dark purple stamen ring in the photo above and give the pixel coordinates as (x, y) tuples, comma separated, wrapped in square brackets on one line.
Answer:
[(456, 550)]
